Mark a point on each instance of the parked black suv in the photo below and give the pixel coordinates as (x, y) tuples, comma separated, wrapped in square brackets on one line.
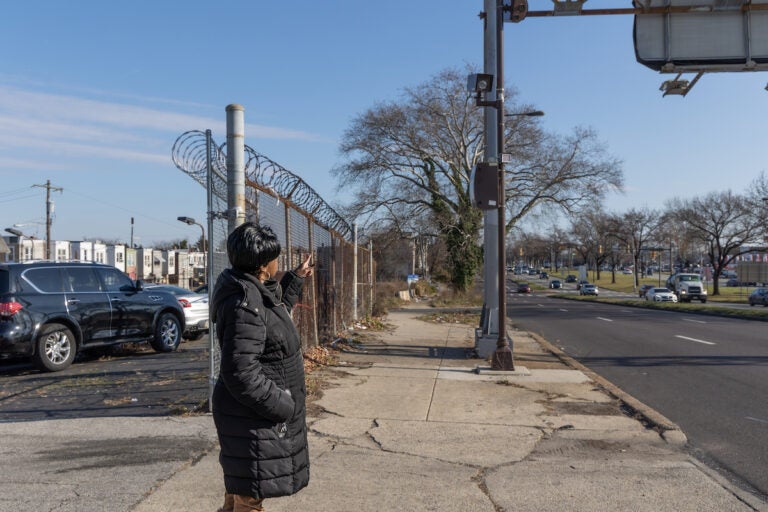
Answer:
[(52, 310)]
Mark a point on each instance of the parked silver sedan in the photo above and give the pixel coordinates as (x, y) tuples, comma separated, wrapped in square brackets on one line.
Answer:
[(195, 306), (660, 295)]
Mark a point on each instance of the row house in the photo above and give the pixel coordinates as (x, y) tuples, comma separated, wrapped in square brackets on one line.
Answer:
[(22, 248), (180, 267)]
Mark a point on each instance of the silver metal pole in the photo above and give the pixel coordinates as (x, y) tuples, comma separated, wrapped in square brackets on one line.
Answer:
[(490, 315), (235, 165)]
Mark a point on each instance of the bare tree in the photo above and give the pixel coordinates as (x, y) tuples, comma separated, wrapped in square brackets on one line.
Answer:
[(757, 198), (593, 234), (724, 223), (634, 229), (412, 159), (561, 174)]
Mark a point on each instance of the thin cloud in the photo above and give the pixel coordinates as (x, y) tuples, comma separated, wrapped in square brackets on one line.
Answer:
[(48, 108), (65, 127)]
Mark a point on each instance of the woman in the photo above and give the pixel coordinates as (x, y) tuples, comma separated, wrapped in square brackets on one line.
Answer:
[(259, 398)]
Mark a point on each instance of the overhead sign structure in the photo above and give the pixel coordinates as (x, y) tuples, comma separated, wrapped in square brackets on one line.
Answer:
[(703, 35), (685, 36)]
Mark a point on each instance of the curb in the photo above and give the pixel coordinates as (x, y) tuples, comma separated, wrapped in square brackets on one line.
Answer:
[(668, 430)]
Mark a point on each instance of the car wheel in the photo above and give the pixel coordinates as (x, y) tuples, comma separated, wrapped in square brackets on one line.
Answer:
[(167, 333), (55, 348), (703, 301)]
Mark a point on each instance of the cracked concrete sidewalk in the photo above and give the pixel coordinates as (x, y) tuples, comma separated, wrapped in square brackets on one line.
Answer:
[(409, 424)]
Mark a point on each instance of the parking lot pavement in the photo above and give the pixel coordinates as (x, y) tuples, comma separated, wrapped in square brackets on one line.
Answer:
[(130, 381)]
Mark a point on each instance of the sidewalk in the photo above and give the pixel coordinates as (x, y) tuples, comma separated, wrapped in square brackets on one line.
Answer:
[(408, 424)]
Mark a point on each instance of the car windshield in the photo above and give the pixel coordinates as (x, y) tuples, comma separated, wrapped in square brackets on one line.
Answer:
[(660, 290)]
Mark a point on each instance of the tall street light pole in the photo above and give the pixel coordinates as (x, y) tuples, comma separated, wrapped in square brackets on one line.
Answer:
[(191, 221), (502, 358), (481, 84)]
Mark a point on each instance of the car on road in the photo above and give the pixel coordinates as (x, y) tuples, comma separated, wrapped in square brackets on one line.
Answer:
[(589, 289), (581, 283), (627, 271), (660, 295), (570, 278), (524, 288), (759, 296), (543, 275), (555, 284), (644, 289), (195, 306), (50, 311)]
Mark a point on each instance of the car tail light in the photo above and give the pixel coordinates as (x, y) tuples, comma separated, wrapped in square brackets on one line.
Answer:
[(8, 309), (185, 303)]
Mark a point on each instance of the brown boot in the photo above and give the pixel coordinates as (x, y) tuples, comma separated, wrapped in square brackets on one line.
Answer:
[(229, 503), (248, 504)]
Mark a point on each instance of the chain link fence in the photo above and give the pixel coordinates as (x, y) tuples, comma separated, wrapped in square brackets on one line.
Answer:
[(303, 222)]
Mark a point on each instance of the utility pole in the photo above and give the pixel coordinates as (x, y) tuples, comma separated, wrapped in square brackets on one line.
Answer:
[(48, 211)]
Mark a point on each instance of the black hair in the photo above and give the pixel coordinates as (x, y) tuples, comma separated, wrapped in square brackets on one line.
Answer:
[(251, 246)]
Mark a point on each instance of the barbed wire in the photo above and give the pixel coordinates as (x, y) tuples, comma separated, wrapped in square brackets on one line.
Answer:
[(189, 156)]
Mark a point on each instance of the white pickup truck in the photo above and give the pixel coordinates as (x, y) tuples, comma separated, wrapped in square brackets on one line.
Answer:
[(687, 287)]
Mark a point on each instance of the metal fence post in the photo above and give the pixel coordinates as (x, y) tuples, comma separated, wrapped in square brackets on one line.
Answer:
[(213, 344), (354, 274), (313, 281)]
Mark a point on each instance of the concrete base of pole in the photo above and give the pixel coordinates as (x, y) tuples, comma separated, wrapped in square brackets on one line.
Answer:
[(502, 359), (487, 347), (485, 344)]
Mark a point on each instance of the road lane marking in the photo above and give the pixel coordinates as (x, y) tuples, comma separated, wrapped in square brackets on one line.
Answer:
[(692, 320), (756, 419), (604, 319), (563, 310), (694, 339)]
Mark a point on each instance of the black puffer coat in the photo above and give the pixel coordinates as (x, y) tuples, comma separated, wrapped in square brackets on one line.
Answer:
[(260, 390)]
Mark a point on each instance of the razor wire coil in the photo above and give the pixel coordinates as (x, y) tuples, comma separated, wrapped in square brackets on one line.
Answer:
[(189, 156)]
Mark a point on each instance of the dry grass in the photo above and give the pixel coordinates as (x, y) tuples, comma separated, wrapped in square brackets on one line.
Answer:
[(453, 317)]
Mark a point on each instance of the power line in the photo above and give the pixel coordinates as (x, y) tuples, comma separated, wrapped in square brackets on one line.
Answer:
[(17, 198), (13, 192)]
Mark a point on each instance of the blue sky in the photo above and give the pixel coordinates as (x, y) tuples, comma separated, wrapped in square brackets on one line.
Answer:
[(93, 94)]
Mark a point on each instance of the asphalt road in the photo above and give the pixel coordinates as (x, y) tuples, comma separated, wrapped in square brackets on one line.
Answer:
[(707, 374)]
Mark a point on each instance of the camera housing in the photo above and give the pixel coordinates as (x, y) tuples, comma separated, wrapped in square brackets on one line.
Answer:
[(479, 82)]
